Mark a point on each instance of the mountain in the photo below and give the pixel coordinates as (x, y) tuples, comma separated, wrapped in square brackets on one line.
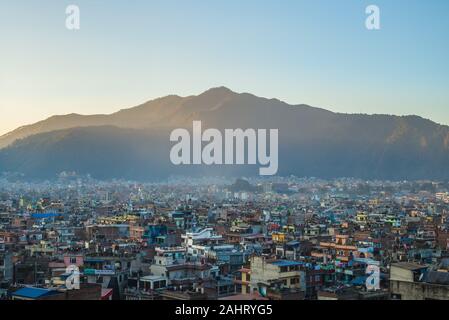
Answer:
[(170, 111), (134, 143)]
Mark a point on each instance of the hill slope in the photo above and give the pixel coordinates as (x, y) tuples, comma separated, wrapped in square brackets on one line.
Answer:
[(134, 143)]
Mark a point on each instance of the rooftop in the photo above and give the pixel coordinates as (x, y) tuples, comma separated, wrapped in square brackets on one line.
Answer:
[(286, 263), (409, 266), (34, 293)]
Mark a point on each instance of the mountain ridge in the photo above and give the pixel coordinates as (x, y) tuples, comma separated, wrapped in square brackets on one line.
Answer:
[(154, 105), (72, 120), (312, 141)]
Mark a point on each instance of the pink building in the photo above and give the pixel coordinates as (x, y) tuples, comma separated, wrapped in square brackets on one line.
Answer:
[(74, 259)]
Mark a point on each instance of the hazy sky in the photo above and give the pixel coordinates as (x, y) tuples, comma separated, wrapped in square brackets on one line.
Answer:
[(313, 52)]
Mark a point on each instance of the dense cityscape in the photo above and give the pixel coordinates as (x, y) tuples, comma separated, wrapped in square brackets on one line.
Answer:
[(279, 238), (224, 159)]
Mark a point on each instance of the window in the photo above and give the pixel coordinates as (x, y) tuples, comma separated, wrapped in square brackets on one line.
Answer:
[(72, 260), (294, 280)]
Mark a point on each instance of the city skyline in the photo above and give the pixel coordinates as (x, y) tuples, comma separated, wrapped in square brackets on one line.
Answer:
[(317, 53), (221, 158)]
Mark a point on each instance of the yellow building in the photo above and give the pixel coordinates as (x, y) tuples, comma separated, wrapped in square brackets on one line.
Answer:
[(361, 217), (278, 237)]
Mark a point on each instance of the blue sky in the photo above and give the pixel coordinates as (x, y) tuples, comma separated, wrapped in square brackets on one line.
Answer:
[(315, 52)]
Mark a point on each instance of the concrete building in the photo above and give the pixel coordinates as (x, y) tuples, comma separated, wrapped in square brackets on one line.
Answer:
[(272, 277), (410, 281), (6, 267)]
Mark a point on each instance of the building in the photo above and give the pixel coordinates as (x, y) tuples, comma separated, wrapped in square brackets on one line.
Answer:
[(272, 278), (410, 281), (86, 292)]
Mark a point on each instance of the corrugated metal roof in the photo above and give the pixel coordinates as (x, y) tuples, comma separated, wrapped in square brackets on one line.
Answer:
[(436, 277), (286, 263), (33, 293), (409, 265)]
